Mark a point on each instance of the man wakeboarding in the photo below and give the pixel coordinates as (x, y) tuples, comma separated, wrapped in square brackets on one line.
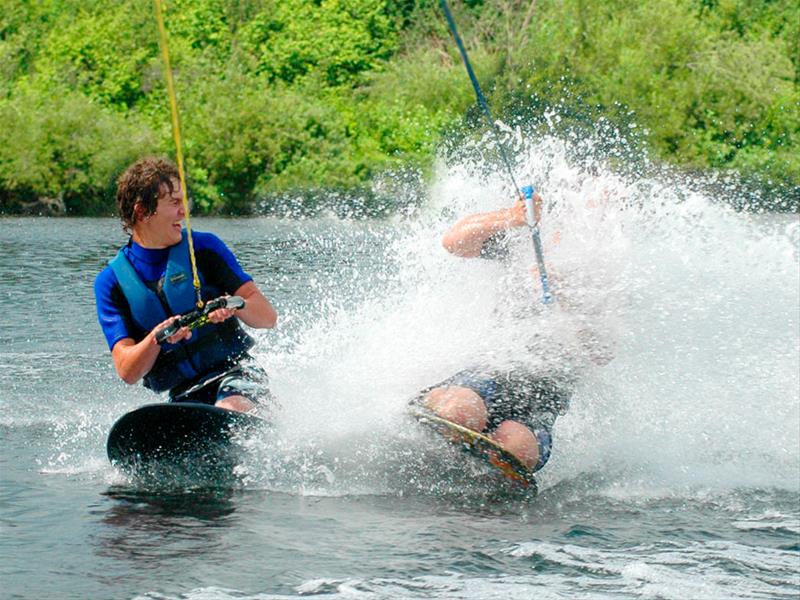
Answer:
[(145, 290), (514, 401)]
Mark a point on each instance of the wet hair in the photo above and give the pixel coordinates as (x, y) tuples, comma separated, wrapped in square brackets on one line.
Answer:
[(141, 184)]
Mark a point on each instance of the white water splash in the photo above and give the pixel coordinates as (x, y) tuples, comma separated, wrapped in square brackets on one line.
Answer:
[(702, 302)]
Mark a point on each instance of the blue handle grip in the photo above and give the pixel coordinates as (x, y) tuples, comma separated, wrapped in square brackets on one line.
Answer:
[(528, 191)]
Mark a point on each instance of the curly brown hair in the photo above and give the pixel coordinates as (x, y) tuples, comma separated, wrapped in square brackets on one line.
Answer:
[(141, 183)]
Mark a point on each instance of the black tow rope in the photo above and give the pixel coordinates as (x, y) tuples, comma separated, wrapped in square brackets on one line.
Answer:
[(481, 99), (526, 192)]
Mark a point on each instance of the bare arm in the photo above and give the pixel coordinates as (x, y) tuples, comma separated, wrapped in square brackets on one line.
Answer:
[(133, 360), (258, 311), (467, 237)]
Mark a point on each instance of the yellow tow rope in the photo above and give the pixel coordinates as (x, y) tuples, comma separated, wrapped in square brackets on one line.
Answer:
[(176, 135)]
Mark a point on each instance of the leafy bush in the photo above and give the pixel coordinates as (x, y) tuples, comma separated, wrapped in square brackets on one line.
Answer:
[(49, 148), (338, 39), (711, 87), (284, 95)]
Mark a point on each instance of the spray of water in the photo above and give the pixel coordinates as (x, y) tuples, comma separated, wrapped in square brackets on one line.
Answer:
[(698, 302)]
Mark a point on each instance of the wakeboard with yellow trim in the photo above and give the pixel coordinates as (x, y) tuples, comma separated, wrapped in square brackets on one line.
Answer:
[(479, 445)]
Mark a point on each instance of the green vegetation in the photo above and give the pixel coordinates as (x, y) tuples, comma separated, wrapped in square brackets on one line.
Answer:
[(299, 95)]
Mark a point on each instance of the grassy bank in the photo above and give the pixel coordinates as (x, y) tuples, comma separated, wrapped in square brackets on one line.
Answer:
[(282, 96)]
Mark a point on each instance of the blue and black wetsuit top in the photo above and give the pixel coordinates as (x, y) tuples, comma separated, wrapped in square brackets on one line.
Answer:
[(142, 287)]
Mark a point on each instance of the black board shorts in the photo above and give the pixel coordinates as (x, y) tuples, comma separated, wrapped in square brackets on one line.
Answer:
[(516, 395), (248, 380)]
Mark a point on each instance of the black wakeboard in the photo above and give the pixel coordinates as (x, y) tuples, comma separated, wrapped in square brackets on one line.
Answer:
[(181, 435)]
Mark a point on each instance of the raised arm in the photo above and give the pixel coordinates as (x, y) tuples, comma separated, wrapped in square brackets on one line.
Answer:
[(467, 236)]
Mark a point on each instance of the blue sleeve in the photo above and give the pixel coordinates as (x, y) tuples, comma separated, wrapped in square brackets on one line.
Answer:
[(110, 316), (224, 267)]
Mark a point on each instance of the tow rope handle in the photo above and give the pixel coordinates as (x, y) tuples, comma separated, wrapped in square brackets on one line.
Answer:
[(199, 317), (533, 223)]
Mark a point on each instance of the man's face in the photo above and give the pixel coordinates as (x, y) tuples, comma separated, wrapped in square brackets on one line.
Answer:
[(163, 227)]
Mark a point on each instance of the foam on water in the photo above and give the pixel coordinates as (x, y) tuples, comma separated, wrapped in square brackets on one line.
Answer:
[(663, 570)]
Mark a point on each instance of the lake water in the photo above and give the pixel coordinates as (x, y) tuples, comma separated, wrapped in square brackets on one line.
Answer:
[(676, 473)]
